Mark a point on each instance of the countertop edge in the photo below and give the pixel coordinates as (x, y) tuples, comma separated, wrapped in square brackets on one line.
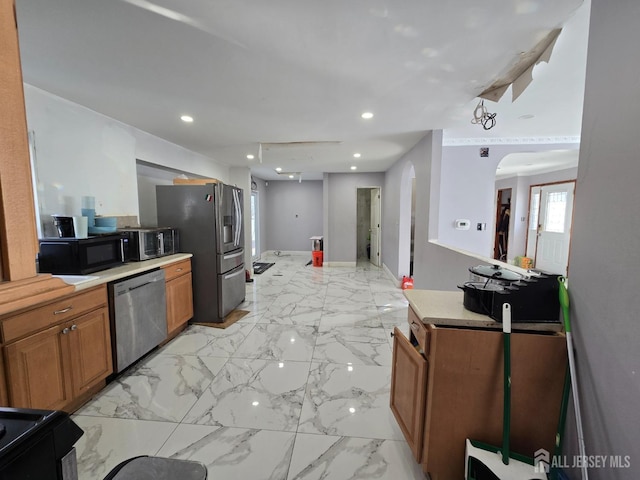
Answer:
[(458, 316), (129, 269)]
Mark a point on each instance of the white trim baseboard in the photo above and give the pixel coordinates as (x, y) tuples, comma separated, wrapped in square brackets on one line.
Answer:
[(340, 264), (397, 282)]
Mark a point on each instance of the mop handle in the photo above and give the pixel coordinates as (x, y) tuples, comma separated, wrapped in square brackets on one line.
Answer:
[(564, 303), (506, 409)]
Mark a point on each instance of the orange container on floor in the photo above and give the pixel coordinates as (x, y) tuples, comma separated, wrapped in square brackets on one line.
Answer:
[(317, 256)]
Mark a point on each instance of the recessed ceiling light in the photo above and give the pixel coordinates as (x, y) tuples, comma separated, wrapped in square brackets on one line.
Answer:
[(186, 118), (367, 115), (291, 176), (250, 157), (353, 167), (356, 155), (278, 169)]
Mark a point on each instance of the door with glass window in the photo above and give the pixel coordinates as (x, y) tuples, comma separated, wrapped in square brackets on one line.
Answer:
[(550, 215)]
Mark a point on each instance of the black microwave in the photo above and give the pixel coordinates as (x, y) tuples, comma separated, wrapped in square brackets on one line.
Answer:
[(79, 256)]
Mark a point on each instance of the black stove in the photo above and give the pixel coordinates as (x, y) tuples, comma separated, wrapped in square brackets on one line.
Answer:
[(36, 444)]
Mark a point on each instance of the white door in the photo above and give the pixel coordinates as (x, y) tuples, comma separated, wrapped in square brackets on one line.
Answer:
[(554, 228), (532, 232), (375, 226)]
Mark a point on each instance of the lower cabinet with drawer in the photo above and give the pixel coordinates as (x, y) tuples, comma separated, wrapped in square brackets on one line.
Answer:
[(64, 358), (446, 386), (179, 292)]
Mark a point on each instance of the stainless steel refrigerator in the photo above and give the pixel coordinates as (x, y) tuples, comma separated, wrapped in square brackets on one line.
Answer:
[(209, 219)]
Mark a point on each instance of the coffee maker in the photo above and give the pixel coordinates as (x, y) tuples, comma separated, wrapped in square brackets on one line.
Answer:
[(64, 226)]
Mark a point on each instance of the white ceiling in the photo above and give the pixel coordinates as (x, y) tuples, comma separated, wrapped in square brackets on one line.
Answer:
[(255, 72)]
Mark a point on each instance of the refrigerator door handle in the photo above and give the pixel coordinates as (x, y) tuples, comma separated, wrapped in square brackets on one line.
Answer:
[(231, 275), (228, 257), (238, 223)]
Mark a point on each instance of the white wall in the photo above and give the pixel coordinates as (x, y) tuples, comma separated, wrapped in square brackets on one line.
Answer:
[(293, 214), (80, 152), (467, 185), (341, 197), (241, 178), (605, 251), (263, 212), (396, 212)]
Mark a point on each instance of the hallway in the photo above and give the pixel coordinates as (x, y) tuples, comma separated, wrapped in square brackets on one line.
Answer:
[(297, 389)]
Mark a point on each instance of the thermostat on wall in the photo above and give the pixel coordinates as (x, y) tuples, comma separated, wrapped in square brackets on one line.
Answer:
[(462, 224)]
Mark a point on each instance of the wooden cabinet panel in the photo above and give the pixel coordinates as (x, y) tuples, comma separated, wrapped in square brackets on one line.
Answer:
[(176, 269), (37, 376), (55, 368), (459, 395), (408, 391), (179, 302), (89, 342), (53, 313)]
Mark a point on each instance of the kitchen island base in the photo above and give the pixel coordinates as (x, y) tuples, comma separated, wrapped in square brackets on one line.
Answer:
[(447, 386)]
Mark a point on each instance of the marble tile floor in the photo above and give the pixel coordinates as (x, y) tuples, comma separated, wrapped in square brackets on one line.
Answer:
[(297, 389)]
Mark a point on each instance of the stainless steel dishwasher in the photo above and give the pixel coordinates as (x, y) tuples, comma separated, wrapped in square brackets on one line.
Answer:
[(138, 317)]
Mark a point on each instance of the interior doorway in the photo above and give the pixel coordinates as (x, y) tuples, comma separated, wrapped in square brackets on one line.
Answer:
[(549, 229), (503, 220), (368, 225)]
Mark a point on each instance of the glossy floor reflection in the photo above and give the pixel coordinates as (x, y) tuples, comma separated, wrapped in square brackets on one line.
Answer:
[(297, 389)]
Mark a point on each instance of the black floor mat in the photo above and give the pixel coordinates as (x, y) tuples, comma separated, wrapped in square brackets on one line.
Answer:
[(258, 267)]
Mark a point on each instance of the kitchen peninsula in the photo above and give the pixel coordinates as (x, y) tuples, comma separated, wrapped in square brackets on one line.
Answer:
[(447, 382)]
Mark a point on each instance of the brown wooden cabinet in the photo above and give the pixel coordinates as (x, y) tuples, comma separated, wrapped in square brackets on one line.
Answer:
[(38, 374), (89, 345), (179, 291), (59, 367), (447, 386)]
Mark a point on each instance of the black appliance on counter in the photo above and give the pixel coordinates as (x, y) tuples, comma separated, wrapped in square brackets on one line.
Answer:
[(151, 242), (37, 444), (533, 298), (64, 226), (79, 256)]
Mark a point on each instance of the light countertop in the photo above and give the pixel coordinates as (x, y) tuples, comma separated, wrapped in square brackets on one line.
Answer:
[(446, 309), (83, 282)]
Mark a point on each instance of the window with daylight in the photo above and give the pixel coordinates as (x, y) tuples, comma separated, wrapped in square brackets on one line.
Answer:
[(556, 211)]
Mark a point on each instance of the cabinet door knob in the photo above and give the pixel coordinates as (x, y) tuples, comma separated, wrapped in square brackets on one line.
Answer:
[(392, 334), (178, 269), (74, 327), (64, 310), (65, 331)]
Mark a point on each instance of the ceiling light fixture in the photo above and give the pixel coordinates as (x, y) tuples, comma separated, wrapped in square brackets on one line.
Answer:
[(250, 157), (367, 115), (290, 176), (186, 118), (278, 169), (356, 155), (353, 167)]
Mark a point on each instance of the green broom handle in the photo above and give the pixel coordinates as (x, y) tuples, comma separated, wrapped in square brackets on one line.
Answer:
[(563, 296), (506, 410)]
